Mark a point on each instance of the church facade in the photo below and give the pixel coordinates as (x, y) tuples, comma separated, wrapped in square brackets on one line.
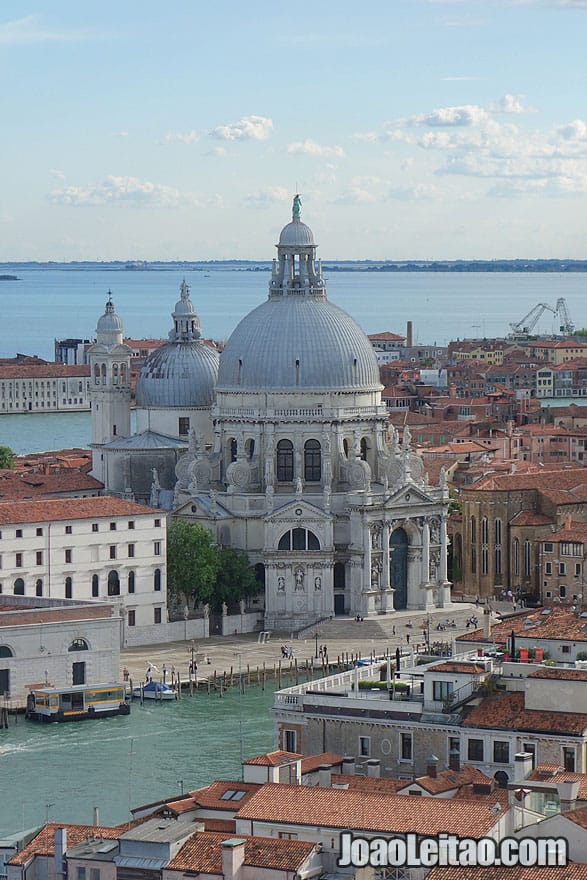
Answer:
[(293, 461)]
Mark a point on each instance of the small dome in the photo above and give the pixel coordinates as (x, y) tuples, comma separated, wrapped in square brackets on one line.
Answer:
[(181, 374), (297, 234), (109, 328)]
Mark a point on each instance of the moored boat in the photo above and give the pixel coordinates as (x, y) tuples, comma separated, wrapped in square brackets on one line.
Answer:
[(76, 702), (155, 690)]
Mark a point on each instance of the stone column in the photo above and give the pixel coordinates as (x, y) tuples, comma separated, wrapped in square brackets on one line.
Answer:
[(366, 556), (385, 546), (425, 553), (443, 551)]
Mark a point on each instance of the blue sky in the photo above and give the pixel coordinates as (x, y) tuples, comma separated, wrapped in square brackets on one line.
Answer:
[(412, 128)]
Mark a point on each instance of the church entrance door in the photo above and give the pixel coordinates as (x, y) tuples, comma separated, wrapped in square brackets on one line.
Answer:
[(398, 567)]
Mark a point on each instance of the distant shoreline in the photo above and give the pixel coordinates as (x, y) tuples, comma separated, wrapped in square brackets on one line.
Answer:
[(436, 266)]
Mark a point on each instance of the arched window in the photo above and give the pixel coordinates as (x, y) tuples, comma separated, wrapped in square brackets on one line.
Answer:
[(516, 555), (299, 539), (103, 371), (19, 587), (497, 546), (250, 448), (131, 582), (79, 645), (115, 374), (484, 550), (285, 461), (68, 588), (157, 579), (527, 564), (364, 448), (5, 651), (113, 584), (123, 374), (95, 586), (96, 374), (473, 545), (233, 449), (345, 446), (39, 587), (312, 461)]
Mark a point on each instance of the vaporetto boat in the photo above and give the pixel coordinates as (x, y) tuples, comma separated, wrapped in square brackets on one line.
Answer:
[(77, 702)]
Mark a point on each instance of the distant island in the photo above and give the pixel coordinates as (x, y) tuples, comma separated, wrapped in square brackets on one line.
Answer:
[(520, 265)]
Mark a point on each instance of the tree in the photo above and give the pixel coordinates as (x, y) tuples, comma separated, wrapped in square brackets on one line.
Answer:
[(193, 562), (7, 457), (236, 578)]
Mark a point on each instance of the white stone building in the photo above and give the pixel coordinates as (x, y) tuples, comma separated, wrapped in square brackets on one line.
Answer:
[(87, 548), (56, 642), (289, 455)]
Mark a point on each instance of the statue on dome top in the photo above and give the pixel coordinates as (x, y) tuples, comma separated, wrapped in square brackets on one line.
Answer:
[(297, 204)]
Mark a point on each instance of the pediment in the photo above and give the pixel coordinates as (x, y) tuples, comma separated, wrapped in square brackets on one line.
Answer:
[(202, 506), (297, 510), (409, 495)]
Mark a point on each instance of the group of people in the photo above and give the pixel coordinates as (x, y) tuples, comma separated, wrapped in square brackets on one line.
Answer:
[(287, 652), (359, 619), (472, 621), (445, 624)]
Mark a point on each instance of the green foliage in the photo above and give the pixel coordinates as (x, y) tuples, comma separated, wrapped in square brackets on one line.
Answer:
[(581, 655), (236, 578), (7, 457), (193, 562), (400, 686)]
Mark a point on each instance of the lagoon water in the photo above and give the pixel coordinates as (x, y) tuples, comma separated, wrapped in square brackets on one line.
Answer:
[(63, 770), (59, 303)]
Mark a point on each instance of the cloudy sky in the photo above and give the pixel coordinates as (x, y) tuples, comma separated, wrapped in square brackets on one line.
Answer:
[(412, 128)]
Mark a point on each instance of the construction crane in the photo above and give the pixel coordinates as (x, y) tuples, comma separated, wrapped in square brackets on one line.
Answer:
[(523, 329)]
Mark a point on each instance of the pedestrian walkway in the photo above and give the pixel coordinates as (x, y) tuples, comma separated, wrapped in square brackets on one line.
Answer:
[(340, 636)]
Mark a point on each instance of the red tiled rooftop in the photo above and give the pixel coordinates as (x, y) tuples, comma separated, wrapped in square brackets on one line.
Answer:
[(558, 624), (457, 668), (314, 762), (559, 775), (44, 843), (560, 674), (562, 872), (73, 508), (210, 797), (508, 712), (364, 810), (202, 853), (273, 759)]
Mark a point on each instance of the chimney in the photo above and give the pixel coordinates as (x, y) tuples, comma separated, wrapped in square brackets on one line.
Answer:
[(567, 794), (487, 623), (96, 817), (454, 760), (431, 766), (348, 766), (374, 768), (452, 391), (233, 856), (568, 521), (522, 766), (409, 334), (325, 776), (60, 848)]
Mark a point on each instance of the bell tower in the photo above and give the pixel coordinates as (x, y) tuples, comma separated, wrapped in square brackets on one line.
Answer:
[(110, 389)]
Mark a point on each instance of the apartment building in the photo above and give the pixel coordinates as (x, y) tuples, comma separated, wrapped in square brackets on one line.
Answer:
[(44, 387)]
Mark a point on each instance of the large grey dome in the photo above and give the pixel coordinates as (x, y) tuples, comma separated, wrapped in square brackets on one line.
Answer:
[(298, 342), (179, 374)]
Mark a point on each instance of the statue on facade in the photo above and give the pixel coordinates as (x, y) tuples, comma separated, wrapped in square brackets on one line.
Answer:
[(318, 583), (299, 580), (281, 584), (155, 489), (299, 487), (224, 609)]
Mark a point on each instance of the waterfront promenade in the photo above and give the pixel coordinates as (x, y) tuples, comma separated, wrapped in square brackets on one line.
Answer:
[(342, 636)]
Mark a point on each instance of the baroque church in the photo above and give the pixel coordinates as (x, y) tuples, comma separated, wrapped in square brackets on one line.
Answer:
[(280, 446)]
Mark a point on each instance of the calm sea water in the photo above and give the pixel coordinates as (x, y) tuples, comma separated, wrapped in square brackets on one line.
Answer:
[(63, 770), (55, 303)]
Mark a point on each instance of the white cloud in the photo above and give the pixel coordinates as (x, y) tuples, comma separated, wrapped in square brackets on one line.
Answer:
[(466, 114), (181, 137), (269, 195), (510, 104), (57, 174), (357, 195), (414, 193), (573, 131), (252, 128), (27, 30), (217, 151), (124, 191), (311, 148)]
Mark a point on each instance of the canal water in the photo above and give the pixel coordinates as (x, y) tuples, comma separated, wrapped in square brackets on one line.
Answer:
[(61, 771)]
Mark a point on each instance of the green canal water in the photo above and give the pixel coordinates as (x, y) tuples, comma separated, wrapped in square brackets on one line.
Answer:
[(61, 771)]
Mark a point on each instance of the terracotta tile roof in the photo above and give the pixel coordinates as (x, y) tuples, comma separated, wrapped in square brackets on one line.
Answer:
[(44, 843), (314, 762), (562, 872), (495, 796), (568, 479), (364, 810), (579, 817), (559, 775), (210, 796), (529, 518), (446, 780), (202, 853), (227, 826), (560, 674), (273, 759), (71, 508), (534, 626), (386, 336), (577, 532), (508, 712), (17, 486), (384, 784), (182, 805), (457, 668), (44, 371)]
